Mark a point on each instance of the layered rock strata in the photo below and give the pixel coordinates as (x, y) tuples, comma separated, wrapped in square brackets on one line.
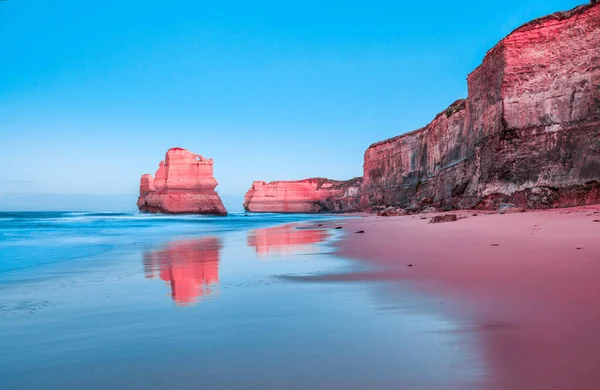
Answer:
[(183, 184), (527, 134), (303, 196)]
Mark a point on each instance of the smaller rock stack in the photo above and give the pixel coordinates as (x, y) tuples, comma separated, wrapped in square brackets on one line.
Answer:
[(303, 196)]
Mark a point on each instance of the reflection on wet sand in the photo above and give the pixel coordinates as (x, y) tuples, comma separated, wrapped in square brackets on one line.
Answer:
[(190, 267), (285, 240)]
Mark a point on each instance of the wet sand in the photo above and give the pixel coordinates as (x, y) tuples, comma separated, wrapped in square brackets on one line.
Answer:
[(175, 306), (525, 287)]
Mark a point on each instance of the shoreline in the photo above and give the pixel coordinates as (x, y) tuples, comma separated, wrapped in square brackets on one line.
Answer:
[(525, 284)]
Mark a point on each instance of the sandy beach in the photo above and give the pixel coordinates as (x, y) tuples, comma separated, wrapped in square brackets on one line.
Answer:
[(524, 285)]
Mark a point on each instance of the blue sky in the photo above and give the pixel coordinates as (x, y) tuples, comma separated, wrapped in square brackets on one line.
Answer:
[(93, 93)]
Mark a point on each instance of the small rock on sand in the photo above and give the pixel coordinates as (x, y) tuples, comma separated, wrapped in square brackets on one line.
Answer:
[(444, 218)]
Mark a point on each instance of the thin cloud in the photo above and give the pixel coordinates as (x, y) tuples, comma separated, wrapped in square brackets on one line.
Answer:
[(17, 181)]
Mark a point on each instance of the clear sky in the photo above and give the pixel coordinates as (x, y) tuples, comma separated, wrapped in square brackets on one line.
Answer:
[(93, 93)]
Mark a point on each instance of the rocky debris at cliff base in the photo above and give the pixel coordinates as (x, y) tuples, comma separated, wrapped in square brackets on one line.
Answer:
[(509, 208), (399, 212), (444, 218), (392, 212)]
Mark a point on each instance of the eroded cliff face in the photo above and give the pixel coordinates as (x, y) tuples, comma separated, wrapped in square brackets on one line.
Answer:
[(183, 184), (303, 196), (528, 133)]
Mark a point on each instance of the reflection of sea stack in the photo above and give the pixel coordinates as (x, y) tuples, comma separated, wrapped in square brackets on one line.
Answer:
[(183, 184), (284, 239), (190, 268)]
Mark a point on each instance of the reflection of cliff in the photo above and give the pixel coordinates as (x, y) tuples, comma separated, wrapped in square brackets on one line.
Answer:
[(284, 239), (522, 287), (189, 267), (534, 317)]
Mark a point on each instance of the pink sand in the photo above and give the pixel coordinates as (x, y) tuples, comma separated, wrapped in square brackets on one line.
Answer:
[(526, 285)]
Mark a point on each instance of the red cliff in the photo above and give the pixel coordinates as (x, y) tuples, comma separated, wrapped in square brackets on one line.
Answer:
[(528, 133), (303, 196), (183, 184)]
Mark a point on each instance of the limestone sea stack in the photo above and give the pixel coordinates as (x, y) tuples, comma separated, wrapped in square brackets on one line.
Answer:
[(528, 132), (303, 196), (183, 184)]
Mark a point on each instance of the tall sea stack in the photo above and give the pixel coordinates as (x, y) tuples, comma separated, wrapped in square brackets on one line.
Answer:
[(183, 184)]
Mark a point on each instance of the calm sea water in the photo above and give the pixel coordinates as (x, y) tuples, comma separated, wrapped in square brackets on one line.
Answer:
[(118, 300)]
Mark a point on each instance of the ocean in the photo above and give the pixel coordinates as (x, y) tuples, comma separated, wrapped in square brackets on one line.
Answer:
[(128, 301), (29, 239)]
